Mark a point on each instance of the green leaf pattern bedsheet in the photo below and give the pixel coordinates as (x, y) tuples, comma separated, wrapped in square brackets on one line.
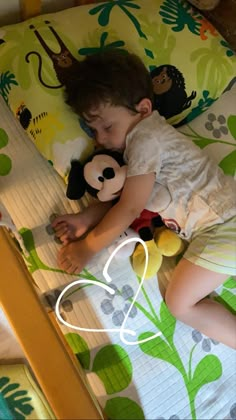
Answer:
[(187, 58), (179, 374)]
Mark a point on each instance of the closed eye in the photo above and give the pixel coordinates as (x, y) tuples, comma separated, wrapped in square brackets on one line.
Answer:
[(108, 127)]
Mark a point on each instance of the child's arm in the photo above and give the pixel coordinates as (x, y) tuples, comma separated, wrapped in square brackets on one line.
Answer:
[(134, 197), (133, 200)]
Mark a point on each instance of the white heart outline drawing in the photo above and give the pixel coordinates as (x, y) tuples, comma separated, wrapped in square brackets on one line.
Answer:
[(85, 281), (122, 330)]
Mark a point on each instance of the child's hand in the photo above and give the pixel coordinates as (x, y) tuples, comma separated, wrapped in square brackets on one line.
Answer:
[(69, 227), (73, 257)]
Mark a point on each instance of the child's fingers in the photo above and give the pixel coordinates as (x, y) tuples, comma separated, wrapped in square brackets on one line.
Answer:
[(61, 229), (57, 220), (53, 217), (64, 239)]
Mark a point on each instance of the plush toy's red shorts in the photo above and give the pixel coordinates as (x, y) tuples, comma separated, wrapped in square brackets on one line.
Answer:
[(144, 220)]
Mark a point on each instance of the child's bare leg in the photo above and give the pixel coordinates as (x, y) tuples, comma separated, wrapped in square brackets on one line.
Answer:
[(185, 298), (70, 227)]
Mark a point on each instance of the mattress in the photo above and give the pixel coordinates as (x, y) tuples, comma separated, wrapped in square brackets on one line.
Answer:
[(139, 361), (9, 347)]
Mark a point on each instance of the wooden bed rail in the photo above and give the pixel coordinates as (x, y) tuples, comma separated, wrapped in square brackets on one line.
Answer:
[(51, 361), (29, 8)]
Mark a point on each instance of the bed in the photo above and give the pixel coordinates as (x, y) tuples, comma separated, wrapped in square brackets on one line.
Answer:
[(85, 364)]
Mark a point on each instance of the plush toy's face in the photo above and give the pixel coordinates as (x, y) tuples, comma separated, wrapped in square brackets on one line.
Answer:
[(104, 174)]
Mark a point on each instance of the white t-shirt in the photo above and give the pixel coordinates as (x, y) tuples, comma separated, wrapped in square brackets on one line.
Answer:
[(191, 192)]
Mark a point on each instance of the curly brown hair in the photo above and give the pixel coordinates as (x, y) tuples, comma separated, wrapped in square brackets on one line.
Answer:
[(110, 76)]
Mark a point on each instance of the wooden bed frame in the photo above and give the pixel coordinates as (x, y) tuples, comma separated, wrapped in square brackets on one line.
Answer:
[(55, 367), (30, 8)]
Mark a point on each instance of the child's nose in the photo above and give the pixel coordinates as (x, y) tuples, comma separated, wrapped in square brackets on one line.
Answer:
[(97, 145), (101, 139)]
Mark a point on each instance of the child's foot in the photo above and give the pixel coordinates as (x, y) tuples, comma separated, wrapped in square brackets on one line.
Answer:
[(70, 227), (74, 256)]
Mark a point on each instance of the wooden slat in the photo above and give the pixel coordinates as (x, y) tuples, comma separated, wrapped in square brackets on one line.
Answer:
[(44, 348), (30, 8)]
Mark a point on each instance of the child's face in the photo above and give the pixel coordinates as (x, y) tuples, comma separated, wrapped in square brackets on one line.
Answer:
[(111, 124)]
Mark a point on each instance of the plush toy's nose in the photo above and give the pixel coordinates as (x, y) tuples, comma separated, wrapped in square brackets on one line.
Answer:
[(109, 173)]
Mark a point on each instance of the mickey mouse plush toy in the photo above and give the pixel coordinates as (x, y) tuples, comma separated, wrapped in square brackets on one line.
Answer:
[(103, 176)]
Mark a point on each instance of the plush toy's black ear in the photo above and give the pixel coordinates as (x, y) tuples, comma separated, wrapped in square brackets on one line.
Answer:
[(76, 182)]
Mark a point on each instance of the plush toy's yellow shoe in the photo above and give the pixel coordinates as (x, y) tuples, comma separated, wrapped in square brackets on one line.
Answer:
[(154, 259), (168, 241)]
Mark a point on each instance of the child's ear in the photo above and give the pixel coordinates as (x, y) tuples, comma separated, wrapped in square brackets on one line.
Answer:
[(144, 107)]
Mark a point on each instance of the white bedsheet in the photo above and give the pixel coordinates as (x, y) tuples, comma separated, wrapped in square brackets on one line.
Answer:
[(181, 375), (9, 346)]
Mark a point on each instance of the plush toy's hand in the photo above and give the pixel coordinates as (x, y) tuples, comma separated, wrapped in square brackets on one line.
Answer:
[(154, 259), (168, 242)]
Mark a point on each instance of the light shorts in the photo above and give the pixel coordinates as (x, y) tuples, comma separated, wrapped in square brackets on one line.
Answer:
[(215, 248)]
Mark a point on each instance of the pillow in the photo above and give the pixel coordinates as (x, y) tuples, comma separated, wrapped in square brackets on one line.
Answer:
[(21, 397), (189, 61), (215, 131)]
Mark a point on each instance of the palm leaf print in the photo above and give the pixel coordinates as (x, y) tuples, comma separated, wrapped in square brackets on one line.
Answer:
[(6, 80), (104, 11), (178, 15), (15, 398), (102, 46)]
